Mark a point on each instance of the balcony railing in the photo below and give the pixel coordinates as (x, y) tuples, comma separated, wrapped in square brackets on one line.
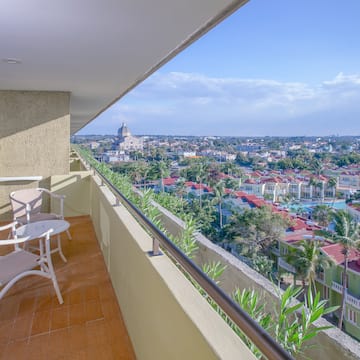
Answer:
[(256, 334), (285, 265), (350, 299), (337, 287), (275, 251)]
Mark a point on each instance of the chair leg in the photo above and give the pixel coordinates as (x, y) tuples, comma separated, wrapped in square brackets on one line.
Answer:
[(60, 249), (56, 287), (52, 274), (68, 234)]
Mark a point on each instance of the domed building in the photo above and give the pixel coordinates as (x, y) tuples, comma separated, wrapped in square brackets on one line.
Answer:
[(123, 131), (127, 142)]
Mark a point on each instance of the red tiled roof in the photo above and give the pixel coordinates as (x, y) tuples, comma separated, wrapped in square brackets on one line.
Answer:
[(201, 187), (299, 225), (250, 181), (240, 194), (258, 202), (169, 181), (295, 236), (224, 176), (335, 252)]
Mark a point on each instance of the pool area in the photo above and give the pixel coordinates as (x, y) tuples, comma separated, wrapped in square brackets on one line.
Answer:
[(308, 206)]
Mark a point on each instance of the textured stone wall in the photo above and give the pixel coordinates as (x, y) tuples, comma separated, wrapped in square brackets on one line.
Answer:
[(34, 139)]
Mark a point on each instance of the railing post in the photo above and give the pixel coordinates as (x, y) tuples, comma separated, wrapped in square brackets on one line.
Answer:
[(155, 248)]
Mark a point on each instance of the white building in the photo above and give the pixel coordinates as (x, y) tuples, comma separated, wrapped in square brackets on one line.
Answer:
[(127, 142)]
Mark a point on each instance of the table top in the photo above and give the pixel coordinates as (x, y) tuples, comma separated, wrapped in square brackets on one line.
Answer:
[(40, 228)]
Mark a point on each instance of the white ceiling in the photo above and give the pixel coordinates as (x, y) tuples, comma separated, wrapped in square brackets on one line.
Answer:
[(97, 49)]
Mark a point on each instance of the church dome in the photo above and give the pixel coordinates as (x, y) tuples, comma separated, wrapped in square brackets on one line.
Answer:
[(124, 131)]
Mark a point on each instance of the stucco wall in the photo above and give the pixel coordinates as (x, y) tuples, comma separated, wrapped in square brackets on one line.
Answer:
[(76, 188), (34, 139)]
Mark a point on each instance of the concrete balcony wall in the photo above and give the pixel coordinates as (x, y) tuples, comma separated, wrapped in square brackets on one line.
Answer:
[(165, 315), (34, 139), (332, 344), (285, 265), (76, 188)]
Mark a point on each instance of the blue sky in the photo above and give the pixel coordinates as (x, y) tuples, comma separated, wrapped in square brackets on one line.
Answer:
[(278, 68)]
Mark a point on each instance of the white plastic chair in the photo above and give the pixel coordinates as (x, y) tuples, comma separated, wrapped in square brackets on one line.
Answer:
[(26, 206), (20, 263)]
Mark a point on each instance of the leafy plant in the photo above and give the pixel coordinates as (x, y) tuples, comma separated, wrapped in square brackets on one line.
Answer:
[(292, 323), (187, 241), (253, 304), (214, 270)]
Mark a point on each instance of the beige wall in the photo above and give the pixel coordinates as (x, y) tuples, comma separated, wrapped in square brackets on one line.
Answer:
[(76, 188), (34, 139)]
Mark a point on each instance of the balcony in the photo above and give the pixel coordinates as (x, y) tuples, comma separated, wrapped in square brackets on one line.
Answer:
[(285, 265), (337, 287), (350, 299), (275, 251)]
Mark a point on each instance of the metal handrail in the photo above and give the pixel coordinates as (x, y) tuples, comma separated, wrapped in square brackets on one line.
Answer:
[(256, 334)]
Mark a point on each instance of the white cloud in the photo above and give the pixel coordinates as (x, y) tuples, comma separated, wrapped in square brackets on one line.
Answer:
[(197, 104)]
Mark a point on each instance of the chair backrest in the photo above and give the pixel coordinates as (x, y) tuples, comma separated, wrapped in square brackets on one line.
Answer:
[(20, 198)]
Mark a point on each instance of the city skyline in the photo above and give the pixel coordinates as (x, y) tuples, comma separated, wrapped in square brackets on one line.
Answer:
[(271, 69)]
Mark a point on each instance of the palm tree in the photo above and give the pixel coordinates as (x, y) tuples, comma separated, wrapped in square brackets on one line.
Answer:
[(312, 183), (322, 214), (219, 192), (346, 234), (200, 176), (307, 261), (164, 171), (138, 171), (321, 186), (332, 185), (180, 188), (317, 166)]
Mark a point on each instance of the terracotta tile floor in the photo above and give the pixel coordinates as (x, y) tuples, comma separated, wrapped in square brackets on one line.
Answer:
[(33, 325)]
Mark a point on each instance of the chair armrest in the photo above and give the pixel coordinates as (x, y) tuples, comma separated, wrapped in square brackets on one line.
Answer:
[(9, 226), (52, 194), (14, 241)]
